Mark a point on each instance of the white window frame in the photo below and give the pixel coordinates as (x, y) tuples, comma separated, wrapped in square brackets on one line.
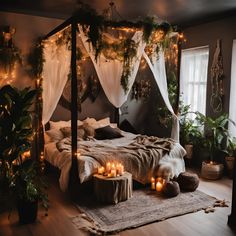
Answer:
[(232, 103), (187, 81)]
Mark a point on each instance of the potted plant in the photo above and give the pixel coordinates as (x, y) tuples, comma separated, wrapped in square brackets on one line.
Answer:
[(19, 176), (214, 140), (189, 131), (230, 155)]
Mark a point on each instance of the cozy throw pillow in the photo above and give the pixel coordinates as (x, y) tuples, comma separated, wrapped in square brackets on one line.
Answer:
[(61, 124), (67, 132), (55, 135), (107, 132), (89, 130)]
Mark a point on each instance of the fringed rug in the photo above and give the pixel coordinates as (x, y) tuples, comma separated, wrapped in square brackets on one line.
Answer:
[(144, 207)]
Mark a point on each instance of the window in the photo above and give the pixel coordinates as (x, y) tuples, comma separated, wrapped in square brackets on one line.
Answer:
[(232, 104), (193, 78)]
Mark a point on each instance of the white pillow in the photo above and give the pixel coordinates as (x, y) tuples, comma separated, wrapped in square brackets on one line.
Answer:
[(103, 122), (90, 122), (55, 135), (61, 124), (113, 125)]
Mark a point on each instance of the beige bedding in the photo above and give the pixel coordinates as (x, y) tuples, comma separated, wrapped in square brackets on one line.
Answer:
[(141, 156)]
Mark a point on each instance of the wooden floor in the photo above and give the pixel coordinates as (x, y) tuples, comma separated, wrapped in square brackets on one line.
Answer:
[(61, 209)]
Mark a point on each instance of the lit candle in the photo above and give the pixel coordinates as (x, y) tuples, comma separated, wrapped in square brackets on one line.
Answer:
[(113, 173), (153, 187), (112, 166), (159, 186), (108, 167), (121, 169), (101, 170)]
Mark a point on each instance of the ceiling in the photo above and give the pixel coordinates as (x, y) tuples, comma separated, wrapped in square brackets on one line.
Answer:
[(180, 12)]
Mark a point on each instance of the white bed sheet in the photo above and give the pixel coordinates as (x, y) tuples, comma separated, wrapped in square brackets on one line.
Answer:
[(87, 166)]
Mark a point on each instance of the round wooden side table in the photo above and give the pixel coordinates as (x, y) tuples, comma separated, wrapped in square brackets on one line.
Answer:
[(113, 190)]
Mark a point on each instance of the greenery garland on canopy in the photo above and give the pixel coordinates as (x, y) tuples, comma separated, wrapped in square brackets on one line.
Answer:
[(155, 35)]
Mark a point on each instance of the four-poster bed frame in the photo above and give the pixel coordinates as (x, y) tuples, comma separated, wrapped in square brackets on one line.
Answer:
[(74, 179)]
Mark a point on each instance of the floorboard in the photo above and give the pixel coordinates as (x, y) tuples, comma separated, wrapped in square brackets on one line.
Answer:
[(61, 209)]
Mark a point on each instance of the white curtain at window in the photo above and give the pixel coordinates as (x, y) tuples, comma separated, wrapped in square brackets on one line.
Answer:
[(232, 106), (109, 71), (193, 78), (157, 66), (55, 75)]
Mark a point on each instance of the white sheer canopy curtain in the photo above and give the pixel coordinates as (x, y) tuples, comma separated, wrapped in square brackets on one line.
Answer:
[(157, 66), (110, 71), (232, 106), (55, 75)]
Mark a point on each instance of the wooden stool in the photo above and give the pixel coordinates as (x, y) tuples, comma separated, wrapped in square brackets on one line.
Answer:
[(113, 190)]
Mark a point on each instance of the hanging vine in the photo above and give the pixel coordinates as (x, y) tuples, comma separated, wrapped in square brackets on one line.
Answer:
[(36, 59), (155, 35)]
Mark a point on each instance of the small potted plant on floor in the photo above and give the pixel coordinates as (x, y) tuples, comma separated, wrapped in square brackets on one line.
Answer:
[(230, 155), (189, 131), (19, 176), (214, 138)]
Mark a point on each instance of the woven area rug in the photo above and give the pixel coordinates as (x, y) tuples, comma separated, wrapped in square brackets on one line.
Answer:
[(144, 207)]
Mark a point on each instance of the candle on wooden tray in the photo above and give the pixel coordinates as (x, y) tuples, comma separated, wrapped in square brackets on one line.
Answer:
[(121, 170), (108, 167), (101, 170), (113, 173), (153, 187)]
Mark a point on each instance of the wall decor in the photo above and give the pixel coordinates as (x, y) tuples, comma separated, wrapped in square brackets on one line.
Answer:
[(217, 74), (87, 88), (141, 89)]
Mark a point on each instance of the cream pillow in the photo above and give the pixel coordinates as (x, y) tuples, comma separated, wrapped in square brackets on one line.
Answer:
[(54, 135), (103, 122), (90, 122), (113, 125), (61, 124), (67, 132)]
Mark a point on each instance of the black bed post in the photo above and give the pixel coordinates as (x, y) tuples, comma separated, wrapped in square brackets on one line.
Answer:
[(74, 180)]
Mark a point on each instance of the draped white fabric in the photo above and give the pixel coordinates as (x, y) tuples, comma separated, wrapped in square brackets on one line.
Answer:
[(55, 75), (157, 66), (110, 71), (232, 106)]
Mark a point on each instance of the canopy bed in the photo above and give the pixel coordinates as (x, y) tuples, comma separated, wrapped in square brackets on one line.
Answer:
[(116, 49)]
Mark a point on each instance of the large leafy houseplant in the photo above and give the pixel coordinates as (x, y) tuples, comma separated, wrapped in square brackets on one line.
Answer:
[(214, 140), (19, 175), (216, 132)]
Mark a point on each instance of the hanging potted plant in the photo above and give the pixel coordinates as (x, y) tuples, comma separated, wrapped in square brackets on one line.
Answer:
[(214, 138), (19, 176), (230, 155)]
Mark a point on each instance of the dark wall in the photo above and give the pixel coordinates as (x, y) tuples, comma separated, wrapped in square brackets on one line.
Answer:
[(207, 34), (28, 29)]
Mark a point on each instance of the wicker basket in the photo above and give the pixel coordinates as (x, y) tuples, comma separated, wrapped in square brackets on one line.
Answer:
[(211, 170)]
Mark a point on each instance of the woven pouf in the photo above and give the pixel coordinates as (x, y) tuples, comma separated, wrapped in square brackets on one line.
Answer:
[(171, 189), (188, 181)]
